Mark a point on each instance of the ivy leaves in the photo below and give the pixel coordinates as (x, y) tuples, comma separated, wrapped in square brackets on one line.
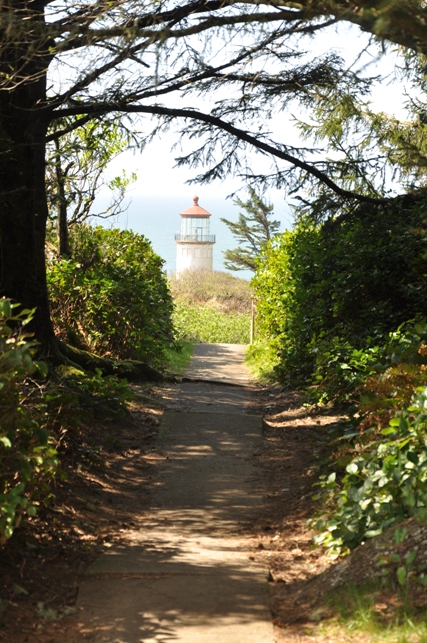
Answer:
[(384, 484)]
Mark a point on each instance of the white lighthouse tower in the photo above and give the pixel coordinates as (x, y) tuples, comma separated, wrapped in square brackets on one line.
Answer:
[(194, 244)]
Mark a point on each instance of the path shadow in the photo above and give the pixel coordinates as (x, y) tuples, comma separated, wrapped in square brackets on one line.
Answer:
[(188, 575), (147, 592), (218, 362)]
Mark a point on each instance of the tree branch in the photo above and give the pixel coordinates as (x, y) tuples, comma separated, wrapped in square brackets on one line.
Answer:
[(227, 127)]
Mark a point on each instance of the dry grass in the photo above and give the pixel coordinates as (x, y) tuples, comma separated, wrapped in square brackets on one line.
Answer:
[(216, 289)]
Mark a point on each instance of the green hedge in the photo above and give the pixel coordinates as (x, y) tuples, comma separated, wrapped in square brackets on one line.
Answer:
[(112, 296), (331, 289)]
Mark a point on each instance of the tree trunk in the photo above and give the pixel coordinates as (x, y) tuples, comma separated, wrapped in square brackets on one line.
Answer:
[(62, 224), (132, 370), (23, 205)]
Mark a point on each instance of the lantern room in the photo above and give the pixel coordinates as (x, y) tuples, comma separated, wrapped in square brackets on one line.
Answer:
[(194, 243)]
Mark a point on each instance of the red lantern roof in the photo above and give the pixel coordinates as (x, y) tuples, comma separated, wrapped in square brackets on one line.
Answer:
[(195, 210)]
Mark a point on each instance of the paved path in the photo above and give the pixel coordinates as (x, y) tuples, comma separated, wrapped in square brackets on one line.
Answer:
[(220, 363), (187, 576)]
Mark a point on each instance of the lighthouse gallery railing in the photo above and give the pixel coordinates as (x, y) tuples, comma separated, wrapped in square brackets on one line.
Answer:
[(196, 238)]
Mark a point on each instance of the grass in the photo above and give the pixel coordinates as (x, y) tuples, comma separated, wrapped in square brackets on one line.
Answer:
[(216, 289), (261, 360), (211, 307), (177, 361), (207, 325), (376, 615)]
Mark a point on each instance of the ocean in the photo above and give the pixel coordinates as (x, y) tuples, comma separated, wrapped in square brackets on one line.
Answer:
[(157, 218)]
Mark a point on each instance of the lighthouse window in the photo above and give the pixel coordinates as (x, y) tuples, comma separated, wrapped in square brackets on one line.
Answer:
[(195, 226)]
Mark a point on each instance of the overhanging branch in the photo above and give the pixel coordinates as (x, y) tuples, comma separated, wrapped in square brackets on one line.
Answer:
[(98, 110)]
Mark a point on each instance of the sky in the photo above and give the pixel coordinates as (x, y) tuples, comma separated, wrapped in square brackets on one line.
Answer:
[(162, 189), (155, 165)]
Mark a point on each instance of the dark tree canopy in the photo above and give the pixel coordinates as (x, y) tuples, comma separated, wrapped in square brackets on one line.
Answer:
[(81, 61)]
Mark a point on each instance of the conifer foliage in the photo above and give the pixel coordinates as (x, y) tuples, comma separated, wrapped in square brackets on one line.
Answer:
[(252, 230)]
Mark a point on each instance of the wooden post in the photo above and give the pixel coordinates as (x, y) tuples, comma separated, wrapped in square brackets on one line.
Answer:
[(252, 332)]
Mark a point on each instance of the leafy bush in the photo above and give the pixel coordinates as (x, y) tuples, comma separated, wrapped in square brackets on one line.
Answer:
[(328, 293), (330, 297), (385, 483), (112, 297), (379, 469), (340, 369), (76, 395), (272, 294), (403, 370), (41, 420), (27, 458)]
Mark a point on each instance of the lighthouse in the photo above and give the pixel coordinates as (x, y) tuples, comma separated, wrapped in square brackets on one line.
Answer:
[(194, 244)]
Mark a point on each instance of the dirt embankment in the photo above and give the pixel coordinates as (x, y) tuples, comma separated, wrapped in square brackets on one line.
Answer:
[(303, 578)]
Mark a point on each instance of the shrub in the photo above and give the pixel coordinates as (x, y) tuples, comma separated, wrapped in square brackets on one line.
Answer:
[(339, 369), (379, 472), (28, 460), (273, 300), (41, 419), (112, 297), (403, 370), (330, 297), (383, 484), (326, 293)]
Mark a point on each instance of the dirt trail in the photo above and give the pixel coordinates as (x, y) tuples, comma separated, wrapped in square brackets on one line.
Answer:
[(187, 574)]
